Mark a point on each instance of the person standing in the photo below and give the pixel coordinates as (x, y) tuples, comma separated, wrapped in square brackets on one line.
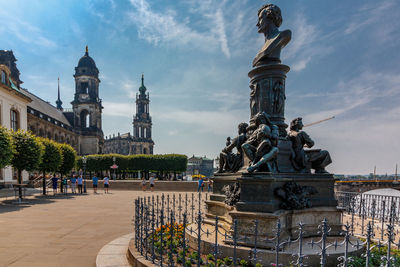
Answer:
[(80, 184), (144, 184), (95, 181), (106, 182), (210, 185), (73, 184), (65, 185), (201, 181), (54, 180), (152, 183)]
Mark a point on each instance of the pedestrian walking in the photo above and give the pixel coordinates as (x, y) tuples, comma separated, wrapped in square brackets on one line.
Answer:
[(144, 184), (152, 183), (201, 184), (65, 185), (95, 181), (80, 184), (54, 180), (106, 182), (210, 185), (73, 184)]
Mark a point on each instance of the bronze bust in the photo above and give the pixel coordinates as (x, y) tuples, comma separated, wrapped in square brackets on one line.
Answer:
[(269, 20)]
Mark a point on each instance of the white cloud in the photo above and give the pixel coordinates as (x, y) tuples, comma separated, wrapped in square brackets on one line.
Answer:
[(24, 31), (118, 109), (215, 122), (164, 28)]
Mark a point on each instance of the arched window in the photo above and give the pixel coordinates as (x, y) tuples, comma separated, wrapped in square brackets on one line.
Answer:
[(85, 119), (41, 133), (3, 77), (14, 119), (145, 133), (56, 137), (49, 135), (144, 150)]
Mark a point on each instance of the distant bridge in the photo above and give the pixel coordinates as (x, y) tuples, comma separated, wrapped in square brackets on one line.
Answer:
[(362, 186)]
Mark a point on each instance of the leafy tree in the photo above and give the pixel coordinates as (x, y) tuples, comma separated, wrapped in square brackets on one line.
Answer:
[(68, 162), (6, 147), (51, 160), (27, 153)]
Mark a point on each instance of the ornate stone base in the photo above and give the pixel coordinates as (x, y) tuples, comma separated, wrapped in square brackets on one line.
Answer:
[(260, 202), (258, 190)]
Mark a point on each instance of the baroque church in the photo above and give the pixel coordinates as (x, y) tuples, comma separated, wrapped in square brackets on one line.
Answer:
[(82, 123), (141, 141)]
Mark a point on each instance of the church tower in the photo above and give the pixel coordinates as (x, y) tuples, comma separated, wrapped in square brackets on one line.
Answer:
[(87, 106), (143, 143)]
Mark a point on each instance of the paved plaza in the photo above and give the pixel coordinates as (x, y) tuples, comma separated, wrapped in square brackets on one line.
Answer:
[(63, 230)]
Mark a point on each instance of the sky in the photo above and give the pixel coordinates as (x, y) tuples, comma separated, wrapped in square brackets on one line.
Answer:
[(195, 56)]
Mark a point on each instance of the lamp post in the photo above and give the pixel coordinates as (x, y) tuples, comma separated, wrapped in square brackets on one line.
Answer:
[(84, 159), (114, 158)]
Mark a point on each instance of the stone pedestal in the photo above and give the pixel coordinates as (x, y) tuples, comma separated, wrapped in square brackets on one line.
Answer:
[(259, 202), (267, 84), (258, 190)]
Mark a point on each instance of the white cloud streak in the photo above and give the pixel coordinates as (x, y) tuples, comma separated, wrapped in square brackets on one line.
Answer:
[(164, 28)]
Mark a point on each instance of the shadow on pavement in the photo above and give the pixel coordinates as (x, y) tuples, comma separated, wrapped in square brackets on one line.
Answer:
[(10, 205)]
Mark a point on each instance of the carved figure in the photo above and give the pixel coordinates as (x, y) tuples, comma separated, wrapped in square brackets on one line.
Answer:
[(229, 161), (295, 196), (269, 20), (228, 141), (232, 193), (261, 147), (254, 99), (279, 97), (304, 160)]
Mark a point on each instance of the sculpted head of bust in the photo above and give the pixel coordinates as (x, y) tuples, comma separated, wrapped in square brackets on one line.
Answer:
[(269, 16)]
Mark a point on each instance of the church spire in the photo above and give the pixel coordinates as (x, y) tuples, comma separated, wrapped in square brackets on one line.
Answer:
[(59, 102), (142, 79), (87, 51), (142, 88)]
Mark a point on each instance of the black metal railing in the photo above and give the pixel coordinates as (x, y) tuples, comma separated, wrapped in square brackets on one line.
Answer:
[(173, 229)]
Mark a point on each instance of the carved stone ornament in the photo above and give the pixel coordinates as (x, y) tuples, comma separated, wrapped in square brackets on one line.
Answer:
[(294, 196), (232, 193)]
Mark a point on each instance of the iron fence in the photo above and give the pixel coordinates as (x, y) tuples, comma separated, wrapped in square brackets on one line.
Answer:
[(175, 229)]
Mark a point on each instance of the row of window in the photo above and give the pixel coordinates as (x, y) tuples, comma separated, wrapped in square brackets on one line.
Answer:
[(49, 119)]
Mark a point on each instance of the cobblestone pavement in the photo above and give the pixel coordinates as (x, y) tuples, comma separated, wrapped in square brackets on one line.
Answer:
[(63, 230)]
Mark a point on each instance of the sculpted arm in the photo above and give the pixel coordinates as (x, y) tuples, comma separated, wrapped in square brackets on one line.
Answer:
[(307, 141)]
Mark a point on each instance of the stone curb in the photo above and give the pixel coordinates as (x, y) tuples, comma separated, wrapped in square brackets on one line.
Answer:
[(114, 254)]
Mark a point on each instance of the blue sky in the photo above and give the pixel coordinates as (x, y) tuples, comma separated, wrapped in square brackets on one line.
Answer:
[(195, 56)]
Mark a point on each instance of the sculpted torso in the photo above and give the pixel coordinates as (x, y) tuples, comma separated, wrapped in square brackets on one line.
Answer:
[(271, 51)]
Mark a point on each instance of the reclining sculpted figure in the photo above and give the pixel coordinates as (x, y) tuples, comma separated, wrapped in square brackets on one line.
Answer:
[(229, 161), (261, 147), (304, 160)]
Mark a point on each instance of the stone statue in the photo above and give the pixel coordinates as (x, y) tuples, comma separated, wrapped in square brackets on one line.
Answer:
[(269, 20), (229, 161), (261, 147), (304, 160)]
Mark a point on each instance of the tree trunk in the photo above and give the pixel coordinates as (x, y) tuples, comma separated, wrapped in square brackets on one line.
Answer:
[(44, 183), (20, 182), (61, 183)]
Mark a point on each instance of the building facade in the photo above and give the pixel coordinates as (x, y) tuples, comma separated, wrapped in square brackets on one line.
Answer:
[(141, 141), (200, 165), (81, 126), (13, 107)]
